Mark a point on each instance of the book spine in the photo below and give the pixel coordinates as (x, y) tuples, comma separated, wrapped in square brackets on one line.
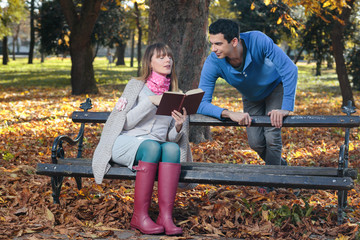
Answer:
[(181, 104)]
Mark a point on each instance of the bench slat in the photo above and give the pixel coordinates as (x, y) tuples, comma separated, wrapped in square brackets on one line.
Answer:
[(241, 168), (206, 177), (257, 121)]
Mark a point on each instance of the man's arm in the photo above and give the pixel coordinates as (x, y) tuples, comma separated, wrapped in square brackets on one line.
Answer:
[(209, 75)]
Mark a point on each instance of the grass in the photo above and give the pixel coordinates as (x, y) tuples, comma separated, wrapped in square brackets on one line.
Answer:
[(55, 73)]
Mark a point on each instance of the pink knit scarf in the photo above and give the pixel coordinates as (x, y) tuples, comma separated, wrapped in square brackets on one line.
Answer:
[(157, 83)]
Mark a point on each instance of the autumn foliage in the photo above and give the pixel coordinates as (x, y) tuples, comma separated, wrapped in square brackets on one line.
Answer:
[(31, 117)]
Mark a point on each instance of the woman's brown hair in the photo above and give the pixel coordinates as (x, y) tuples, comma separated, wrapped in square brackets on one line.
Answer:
[(161, 49)]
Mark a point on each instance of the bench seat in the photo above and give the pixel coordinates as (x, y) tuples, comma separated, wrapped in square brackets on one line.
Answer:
[(227, 174)]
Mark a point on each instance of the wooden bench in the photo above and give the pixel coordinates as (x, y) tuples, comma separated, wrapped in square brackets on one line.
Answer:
[(340, 178)]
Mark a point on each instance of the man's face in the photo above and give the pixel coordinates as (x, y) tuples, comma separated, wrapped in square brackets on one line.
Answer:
[(220, 46)]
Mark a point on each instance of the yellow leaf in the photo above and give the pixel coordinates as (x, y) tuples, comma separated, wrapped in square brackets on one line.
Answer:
[(50, 216), (267, 2), (252, 6), (327, 3), (342, 237), (265, 215), (279, 20)]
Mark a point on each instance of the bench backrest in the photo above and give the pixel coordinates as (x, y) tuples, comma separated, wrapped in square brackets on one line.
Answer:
[(257, 121)]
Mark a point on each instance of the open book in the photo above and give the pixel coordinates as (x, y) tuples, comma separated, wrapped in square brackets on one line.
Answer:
[(176, 101)]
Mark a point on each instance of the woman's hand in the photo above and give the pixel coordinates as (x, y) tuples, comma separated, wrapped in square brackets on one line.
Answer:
[(179, 119), (155, 99)]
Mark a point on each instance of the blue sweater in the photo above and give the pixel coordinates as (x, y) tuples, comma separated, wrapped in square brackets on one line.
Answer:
[(266, 66)]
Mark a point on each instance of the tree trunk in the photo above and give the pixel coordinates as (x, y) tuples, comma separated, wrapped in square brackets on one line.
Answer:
[(82, 71), (297, 58), (318, 53), (318, 67), (15, 40), (329, 62), (120, 53), (132, 48), (182, 24), (32, 32), (137, 13), (5, 51), (81, 25), (42, 60), (337, 38)]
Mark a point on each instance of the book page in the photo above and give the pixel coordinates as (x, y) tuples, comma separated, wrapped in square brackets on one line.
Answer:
[(171, 92), (194, 91)]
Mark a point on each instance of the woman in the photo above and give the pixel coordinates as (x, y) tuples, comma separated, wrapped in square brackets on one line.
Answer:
[(135, 136)]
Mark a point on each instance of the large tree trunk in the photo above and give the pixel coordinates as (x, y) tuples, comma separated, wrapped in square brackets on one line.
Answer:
[(32, 32), (5, 52), (182, 24), (120, 53), (337, 38), (82, 71), (81, 26)]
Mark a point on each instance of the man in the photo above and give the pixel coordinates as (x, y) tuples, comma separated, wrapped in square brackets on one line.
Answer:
[(264, 75)]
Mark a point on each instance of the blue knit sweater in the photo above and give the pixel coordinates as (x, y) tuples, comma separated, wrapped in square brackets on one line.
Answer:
[(266, 66)]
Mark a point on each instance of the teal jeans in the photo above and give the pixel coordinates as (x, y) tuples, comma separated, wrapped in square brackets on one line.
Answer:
[(154, 152)]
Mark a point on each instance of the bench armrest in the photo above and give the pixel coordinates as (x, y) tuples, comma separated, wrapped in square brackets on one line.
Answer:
[(57, 150)]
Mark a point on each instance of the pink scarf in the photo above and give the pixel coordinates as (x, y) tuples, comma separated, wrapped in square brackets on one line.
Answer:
[(157, 83)]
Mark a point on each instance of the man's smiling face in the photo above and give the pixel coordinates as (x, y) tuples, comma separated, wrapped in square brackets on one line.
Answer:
[(220, 46)]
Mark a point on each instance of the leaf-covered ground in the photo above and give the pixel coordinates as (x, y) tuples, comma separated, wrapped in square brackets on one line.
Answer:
[(32, 116)]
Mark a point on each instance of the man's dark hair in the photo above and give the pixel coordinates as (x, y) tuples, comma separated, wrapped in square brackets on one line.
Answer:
[(229, 28)]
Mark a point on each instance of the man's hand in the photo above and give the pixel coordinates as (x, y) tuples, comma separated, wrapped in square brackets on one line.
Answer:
[(276, 117), (239, 117)]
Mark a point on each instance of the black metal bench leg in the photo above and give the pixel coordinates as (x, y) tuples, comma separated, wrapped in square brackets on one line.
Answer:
[(78, 182), (56, 183), (342, 203)]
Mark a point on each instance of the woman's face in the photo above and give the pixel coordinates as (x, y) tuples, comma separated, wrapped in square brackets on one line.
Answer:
[(161, 64)]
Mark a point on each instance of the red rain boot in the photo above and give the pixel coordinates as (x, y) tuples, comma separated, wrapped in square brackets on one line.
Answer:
[(144, 183), (167, 185)]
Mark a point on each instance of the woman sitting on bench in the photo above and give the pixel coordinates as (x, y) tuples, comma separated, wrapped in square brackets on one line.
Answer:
[(135, 135)]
